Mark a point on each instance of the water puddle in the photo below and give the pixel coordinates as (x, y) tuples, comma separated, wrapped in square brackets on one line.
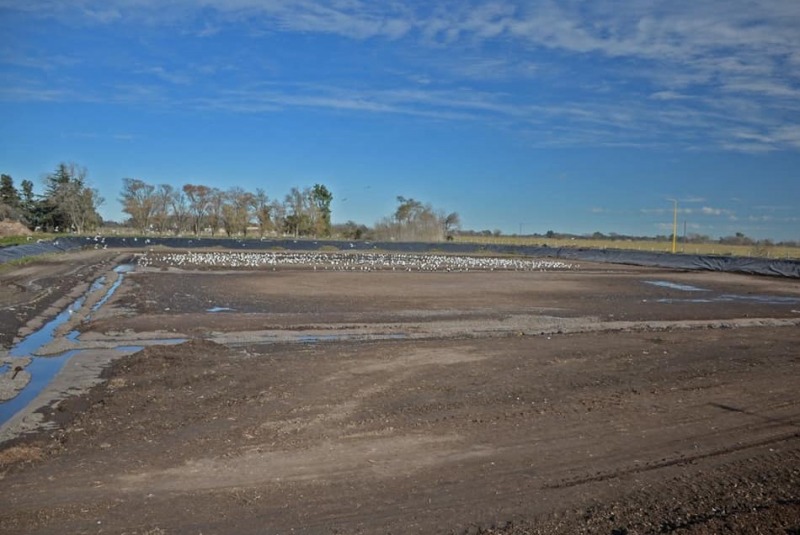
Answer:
[(120, 270), (313, 339), (676, 286), (44, 369), (35, 341), (214, 310), (731, 298), (129, 349), (159, 342), (722, 298), (671, 301), (762, 299)]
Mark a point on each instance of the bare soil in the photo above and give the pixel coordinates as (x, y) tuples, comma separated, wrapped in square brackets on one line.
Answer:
[(586, 401)]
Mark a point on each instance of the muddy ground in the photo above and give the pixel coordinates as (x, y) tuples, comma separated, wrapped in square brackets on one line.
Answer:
[(31, 292), (580, 401)]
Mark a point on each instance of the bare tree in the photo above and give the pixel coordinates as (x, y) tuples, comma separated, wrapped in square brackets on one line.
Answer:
[(412, 220), (198, 197), (298, 212), (263, 211), (216, 201), (237, 211), (277, 213), (179, 210), (162, 199), (82, 209), (138, 201)]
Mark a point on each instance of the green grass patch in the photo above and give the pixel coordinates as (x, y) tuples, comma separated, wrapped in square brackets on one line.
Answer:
[(20, 262), (9, 241)]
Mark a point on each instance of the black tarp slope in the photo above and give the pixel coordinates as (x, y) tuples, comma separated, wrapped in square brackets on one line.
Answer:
[(731, 264), (40, 247)]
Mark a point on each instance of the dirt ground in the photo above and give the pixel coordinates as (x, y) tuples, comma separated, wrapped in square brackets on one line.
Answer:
[(603, 399)]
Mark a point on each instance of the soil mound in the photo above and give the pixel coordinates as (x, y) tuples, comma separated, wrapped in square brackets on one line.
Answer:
[(13, 228)]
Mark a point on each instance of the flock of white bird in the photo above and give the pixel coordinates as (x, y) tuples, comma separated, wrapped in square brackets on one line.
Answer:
[(348, 261)]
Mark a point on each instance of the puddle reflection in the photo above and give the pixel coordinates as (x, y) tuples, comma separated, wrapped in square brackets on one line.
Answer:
[(44, 369)]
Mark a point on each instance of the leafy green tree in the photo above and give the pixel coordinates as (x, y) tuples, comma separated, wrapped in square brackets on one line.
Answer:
[(8, 193), (407, 210), (32, 208), (452, 222), (69, 204), (352, 231), (10, 203), (322, 198)]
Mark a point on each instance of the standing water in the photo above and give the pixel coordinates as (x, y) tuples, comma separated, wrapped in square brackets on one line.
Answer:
[(44, 369)]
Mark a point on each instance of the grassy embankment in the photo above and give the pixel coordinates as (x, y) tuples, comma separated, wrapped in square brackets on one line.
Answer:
[(8, 241)]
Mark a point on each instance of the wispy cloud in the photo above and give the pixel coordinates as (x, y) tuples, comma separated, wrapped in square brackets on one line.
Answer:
[(166, 75), (704, 211), (693, 75)]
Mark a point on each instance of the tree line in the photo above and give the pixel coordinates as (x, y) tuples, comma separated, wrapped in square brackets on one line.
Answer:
[(67, 204), (200, 209), (415, 221)]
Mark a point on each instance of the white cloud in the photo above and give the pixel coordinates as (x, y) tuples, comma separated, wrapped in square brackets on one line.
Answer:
[(704, 211), (708, 75), (166, 75), (668, 95), (708, 210), (773, 208)]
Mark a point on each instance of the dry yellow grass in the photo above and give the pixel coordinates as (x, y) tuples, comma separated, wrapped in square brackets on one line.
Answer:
[(19, 454), (760, 251)]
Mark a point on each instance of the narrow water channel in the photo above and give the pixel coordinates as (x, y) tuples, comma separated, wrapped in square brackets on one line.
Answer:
[(44, 369)]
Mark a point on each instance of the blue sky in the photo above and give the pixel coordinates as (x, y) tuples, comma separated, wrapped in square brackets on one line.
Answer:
[(571, 116)]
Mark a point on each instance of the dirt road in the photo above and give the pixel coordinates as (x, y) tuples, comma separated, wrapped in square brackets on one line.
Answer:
[(600, 400)]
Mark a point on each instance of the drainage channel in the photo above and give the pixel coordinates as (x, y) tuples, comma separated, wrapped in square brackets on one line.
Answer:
[(43, 370)]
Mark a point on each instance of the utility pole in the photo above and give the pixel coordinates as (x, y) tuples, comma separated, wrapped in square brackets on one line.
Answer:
[(674, 224), (684, 236)]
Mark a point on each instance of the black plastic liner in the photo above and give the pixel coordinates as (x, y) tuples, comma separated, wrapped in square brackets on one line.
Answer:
[(40, 247), (731, 264)]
